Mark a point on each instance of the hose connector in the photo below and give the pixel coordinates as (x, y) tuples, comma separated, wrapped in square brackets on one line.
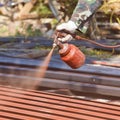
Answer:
[(57, 42)]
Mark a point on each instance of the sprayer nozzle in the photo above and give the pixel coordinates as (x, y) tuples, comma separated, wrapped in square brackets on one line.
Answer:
[(54, 45), (57, 42)]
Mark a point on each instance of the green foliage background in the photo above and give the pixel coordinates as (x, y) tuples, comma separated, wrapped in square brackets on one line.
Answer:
[(110, 7)]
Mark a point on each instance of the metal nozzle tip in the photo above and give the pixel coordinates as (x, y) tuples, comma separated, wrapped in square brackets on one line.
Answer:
[(54, 45)]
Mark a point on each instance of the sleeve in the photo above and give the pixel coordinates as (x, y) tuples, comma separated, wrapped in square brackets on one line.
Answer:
[(83, 12)]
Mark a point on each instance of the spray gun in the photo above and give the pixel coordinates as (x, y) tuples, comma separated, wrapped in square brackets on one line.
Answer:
[(69, 53)]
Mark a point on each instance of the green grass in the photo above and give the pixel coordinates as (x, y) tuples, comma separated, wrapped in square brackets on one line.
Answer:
[(100, 54)]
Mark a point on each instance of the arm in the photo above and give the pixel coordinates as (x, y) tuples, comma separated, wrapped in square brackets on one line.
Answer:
[(83, 12), (80, 17)]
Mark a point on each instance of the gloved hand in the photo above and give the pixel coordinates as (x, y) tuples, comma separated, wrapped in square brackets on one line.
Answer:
[(69, 26)]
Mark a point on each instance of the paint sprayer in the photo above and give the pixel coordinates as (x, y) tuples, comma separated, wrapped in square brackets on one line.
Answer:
[(71, 54)]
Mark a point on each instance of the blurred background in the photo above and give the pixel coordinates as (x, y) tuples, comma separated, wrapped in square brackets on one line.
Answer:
[(40, 17)]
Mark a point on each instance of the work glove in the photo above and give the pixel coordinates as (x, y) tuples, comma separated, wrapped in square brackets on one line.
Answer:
[(68, 26)]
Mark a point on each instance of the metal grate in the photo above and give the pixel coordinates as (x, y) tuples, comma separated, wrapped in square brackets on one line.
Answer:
[(20, 104)]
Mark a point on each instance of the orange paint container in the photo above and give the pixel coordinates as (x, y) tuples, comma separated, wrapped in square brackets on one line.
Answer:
[(72, 56)]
